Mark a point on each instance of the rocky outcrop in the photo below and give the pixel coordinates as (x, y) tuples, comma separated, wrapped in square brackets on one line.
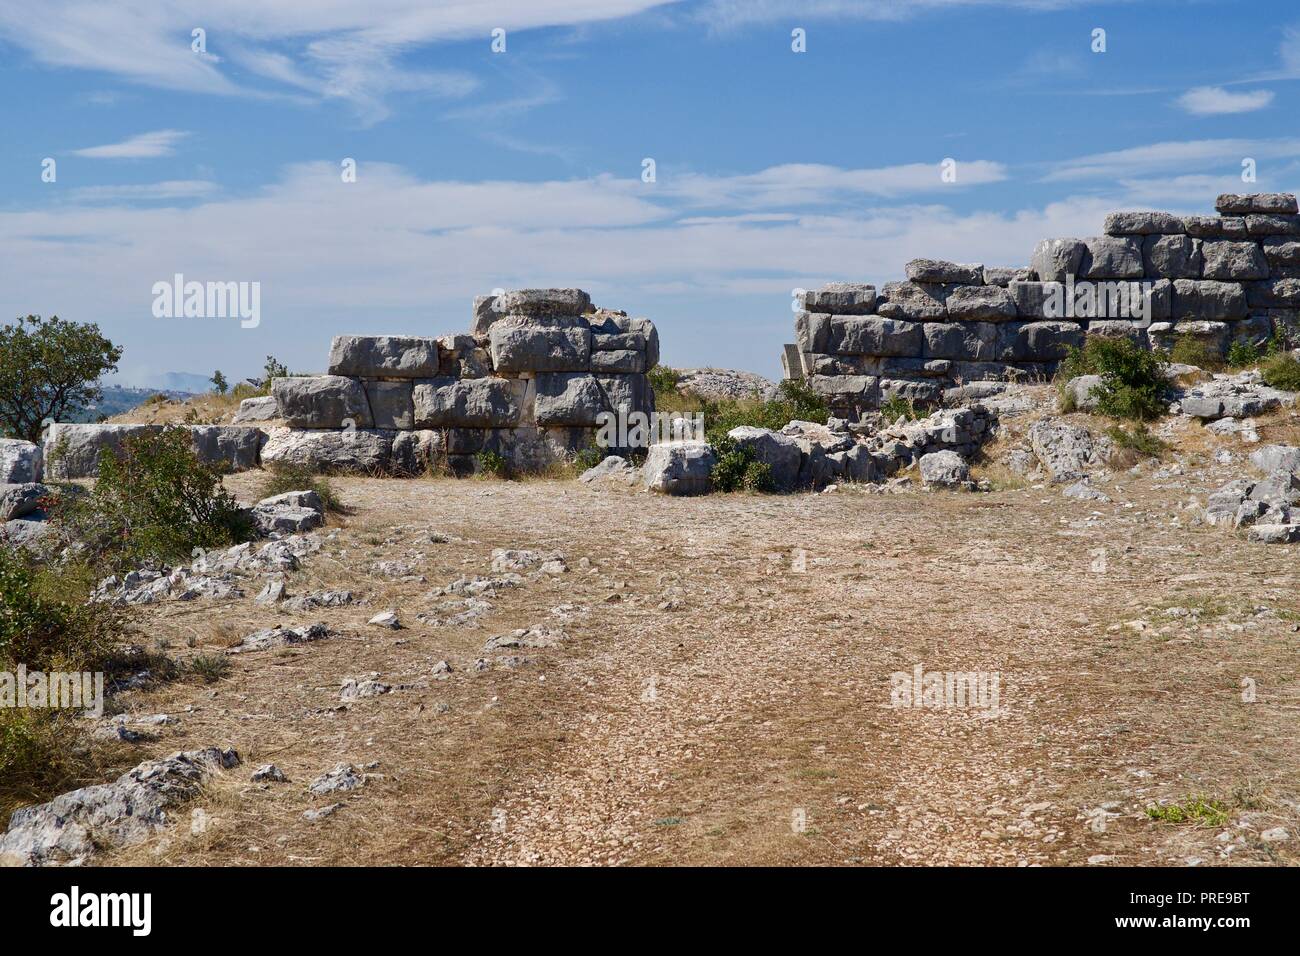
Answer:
[(73, 451), (20, 462)]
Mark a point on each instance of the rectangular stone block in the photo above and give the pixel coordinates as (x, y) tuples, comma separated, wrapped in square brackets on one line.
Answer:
[(1281, 251), (996, 275), (1171, 257), (321, 401), (530, 345), (1259, 225), (1111, 257), (632, 391), (568, 398), (472, 403), (1038, 341), (626, 361), (913, 301), (1208, 300), (1236, 205), (840, 298), (812, 331), (1214, 227), (391, 404), (942, 271), (394, 356), (873, 335), (966, 341), (1031, 298), (617, 341), (858, 388), (1143, 224), (988, 303), (1230, 261)]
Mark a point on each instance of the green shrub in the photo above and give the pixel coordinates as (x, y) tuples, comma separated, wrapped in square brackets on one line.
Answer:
[(156, 502), (493, 465), (664, 382), (737, 469), (1133, 383), (588, 458), (209, 668), (794, 401), (1243, 354), (1138, 441), (758, 477), (282, 478), (1189, 350), (1196, 811), (1282, 371), (898, 407), (46, 622)]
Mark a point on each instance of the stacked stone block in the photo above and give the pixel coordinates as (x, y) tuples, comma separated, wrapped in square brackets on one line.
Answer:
[(1231, 277), (528, 383)]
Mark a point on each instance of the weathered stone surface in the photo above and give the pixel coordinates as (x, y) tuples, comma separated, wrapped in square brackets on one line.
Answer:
[(1038, 341), (568, 398), (996, 275), (679, 468), (872, 335), (990, 303), (285, 519), (621, 361), (1111, 257), (612, 468), (417, 452), (1255, 330), (944, 469), (260, 408), (235, 446), (1275, 458), (1126, 328), (472, 403), (1232, 204), (543, 302), (840, 298), (1273, 294), (391, 404), (940, 270), (1066, 451), (1143, 224), (73, 450), (485, 313), (1274, 533), (362, 451), (812, 331), (1234, 261), (393, 356), (632, 391), (1032, 299), (33, 535), (1082, 391), (523, 345), (1281, 251), (1216, 227), (1258, 225), (20, 500), (321, 401), (1208, 300), (780, 452), (972, 341), (913, 301), (863, 389), (73, 826), (20, 461), (1054, 259), (1172, 257), (617, 341)]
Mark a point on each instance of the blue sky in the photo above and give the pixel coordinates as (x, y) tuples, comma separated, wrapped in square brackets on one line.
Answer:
[(478, 170)]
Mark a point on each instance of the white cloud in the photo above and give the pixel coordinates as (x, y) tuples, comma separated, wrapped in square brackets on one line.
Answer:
[(1215, 100), (144, 146), (728, 14), (322, 48), (1176, 157), (145, 192)]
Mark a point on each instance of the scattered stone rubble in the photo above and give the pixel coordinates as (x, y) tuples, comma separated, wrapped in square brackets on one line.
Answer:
[(1268, 508), (73, 826)]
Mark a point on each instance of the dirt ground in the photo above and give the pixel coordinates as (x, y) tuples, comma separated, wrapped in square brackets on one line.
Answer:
[(722, 691)]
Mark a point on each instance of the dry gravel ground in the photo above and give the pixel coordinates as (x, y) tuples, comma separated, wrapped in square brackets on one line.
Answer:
[(716, 700)]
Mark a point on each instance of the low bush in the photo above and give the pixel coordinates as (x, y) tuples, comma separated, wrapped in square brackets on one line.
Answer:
[(737, 469), (1134, 444), (1188, 350), (156, 502), (794, 401), (1282, 371), (898, 407), (492, 465), (282, 478), (1133, 383)]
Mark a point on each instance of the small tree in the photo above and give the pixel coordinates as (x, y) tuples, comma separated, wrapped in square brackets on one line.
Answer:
[(219, 383), (273, 369), (49, 367)]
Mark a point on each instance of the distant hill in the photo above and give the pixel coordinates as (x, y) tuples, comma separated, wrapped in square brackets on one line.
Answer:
[(118, 399)]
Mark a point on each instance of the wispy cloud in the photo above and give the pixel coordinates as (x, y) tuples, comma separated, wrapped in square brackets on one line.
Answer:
[(1215, 100), (167, 190), (1176, 157), (729, 14), (144, 146)]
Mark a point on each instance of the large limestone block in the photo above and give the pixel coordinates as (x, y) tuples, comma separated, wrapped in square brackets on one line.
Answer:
[(620, 361), (968, 341), (1112, 257), (913, 301), (1208, 300), (873, 335), (20, 500), (568, 398), (1143, 224), (1054, 259), (1274, 294), (1172, 257), (543, 302), (394, 356), (840, 298), (779, 452), (1234, 261), (679, 468), (1257, 225), (473, 403), (260, 408), (526, 345), (1216, 227), (20, 461), (1039, 341), (322, 401), (838, 389), (973, 303), (530, 448), (944, 469), (235, 446), (1237, 205), (1032, 299), (812, 332), (360, 451), (74, 450), (940, 270), (485, 313), (391, 404), (630, 391)]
